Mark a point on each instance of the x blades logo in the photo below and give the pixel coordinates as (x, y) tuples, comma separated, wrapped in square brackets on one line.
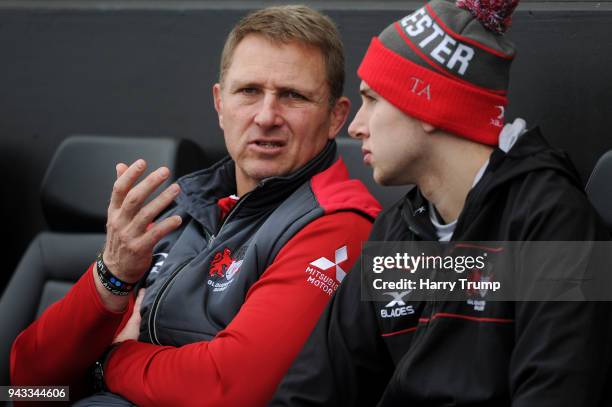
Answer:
[(323, 263), (158, 261), (397, 305), (398, 298), (419, 210)]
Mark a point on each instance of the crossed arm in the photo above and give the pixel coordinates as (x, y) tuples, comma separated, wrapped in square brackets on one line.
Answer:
[(242, 364)]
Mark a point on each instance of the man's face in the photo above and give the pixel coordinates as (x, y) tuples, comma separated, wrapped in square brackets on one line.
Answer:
[(393, 143), (274, 108)]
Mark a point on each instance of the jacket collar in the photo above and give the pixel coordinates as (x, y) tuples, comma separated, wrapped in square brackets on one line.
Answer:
[(530, 153), (202, 189), (415, 212)]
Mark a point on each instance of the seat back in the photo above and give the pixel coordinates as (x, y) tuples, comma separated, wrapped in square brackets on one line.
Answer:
[(76, 187), (350, 150), (599, 188), (75, 193)]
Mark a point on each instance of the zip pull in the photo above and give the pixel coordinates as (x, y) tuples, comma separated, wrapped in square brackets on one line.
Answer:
[(211, 241)]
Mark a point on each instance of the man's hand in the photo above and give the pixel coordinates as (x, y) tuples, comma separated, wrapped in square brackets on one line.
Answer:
[(129, 239), (131, 330)]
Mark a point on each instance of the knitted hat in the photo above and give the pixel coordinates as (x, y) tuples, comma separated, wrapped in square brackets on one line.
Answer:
[(447, 64)]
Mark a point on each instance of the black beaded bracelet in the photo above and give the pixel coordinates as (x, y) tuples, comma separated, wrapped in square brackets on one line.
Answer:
[(110, 281)]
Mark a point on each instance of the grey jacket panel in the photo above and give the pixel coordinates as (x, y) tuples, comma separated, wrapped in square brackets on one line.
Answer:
[(201, 273)]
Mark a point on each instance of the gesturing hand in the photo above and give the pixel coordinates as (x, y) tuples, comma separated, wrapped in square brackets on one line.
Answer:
[(129, 240)]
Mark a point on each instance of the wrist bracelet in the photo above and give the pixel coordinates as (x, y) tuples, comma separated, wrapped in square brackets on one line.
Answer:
[(113, 284)]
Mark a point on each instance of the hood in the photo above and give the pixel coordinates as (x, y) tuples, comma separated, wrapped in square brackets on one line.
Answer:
[(530, 153)]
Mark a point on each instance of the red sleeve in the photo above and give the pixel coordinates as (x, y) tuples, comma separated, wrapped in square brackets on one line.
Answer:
[(245, 362), (60, 346)]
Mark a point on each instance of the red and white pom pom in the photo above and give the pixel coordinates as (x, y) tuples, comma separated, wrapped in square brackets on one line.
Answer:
[(495, 15)]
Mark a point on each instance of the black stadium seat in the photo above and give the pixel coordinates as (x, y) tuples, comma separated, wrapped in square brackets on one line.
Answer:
[(599, 188), (75, 194)]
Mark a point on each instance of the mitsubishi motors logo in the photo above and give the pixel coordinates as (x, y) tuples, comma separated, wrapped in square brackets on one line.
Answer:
[(324, 263)]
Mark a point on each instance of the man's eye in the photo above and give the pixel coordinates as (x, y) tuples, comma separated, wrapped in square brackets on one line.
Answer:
[(294, 95), (248, 91), (368, 98)]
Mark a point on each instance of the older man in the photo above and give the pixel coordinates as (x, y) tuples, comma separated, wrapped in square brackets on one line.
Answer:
[(245, 258)]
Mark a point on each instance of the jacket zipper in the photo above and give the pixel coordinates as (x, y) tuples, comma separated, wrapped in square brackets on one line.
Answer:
[(229, 215), (155, 307), (158, 297), (211, 238)]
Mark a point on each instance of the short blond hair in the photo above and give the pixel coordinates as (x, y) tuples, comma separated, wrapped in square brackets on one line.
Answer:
[(287, 24)]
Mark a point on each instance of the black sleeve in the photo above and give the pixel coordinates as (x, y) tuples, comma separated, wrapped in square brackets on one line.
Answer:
[(563, 350), (344, 362), (562, 354)]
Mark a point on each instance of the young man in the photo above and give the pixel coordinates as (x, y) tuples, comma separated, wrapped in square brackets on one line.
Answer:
[(246, 257), (433, 91)]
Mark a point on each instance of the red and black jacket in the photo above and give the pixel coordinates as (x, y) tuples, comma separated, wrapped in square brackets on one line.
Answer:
[(230, 300), (454, 353)]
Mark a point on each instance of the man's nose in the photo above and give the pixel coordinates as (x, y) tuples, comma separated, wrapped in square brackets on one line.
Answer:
[(268, 113), (358, 128)]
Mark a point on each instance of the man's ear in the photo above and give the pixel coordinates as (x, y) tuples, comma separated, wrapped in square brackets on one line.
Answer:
[(339, 115), (428, 128), (218, 103)]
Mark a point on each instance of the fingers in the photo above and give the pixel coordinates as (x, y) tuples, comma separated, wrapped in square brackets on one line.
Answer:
[(138, 194), (138, 302), (160, 229), (148, 213), (120, 168), (124, 182), (131, 330), (128, 241)]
